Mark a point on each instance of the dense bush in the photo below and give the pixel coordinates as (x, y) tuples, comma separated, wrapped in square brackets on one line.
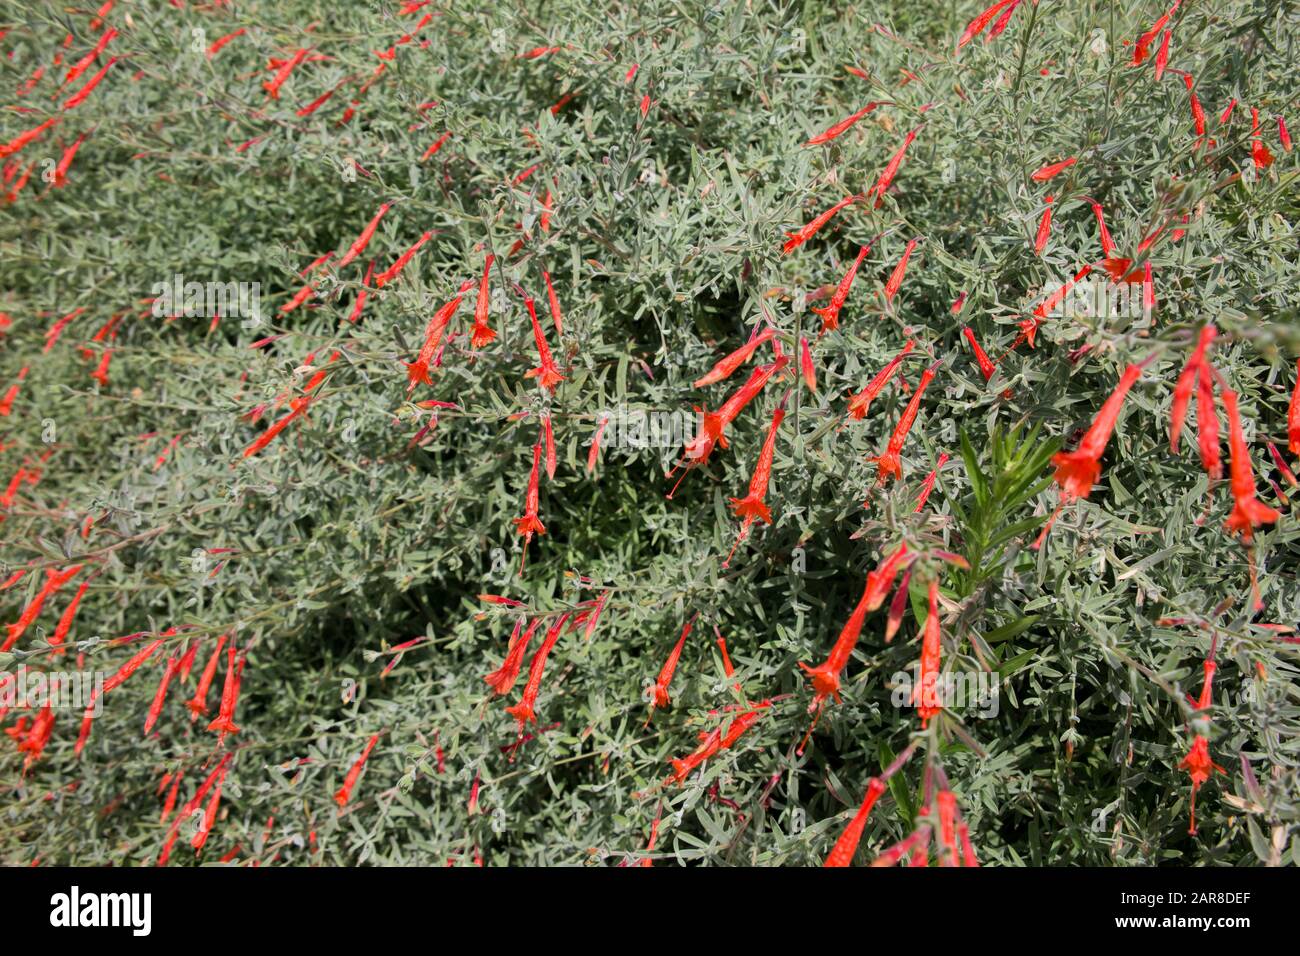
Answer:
[(657, 202)]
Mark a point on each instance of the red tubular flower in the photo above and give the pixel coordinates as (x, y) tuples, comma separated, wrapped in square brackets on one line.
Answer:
[(897, 607), (987, 366), (847, 845), (65, 161), (1260, 153), (1283, 135), (217, 45), (1280, 463), (1162, 55), (900, 270), (726, 366), (1029, 327), (481, 334), (1142, 46), (1044, 229), (1207, 423), (530, 524), (1199, 766), (713, 430), (890, 463), (1198, 114), (1185, 384), (722, 738), (525, 711), (54, 579), (209, 814), (825, 677), (1248, 512), (112, 683), (65, 621), (967, 851), (435, 146), (225, 720), (548, 439), (504, 677), (344, 793), (218, 773), (298, 406), (363, 240), (1078, 470), (892, 169), (860, 403), (881, 580), (547, 373), (909, 845), (273, 85), (593, 453), (160, 695), (170, 803), (76, 99), (659, 695), (198, 704), (928, 485), (947, 801), (837, 129), (393, 271), (753, 507), (1050, 171), (83, 64), (418, 371), (976, 26), (26, 137), (926, 696), (798, 238), (806, 367), (554, 302)]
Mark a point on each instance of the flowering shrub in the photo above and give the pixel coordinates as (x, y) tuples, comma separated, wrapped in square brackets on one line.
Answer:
[(726, 433)]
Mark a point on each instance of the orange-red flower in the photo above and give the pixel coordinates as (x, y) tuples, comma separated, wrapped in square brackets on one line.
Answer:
[(860, 403), (842, 853), (1078, 470), (1248, 512), (890, 463), (926, 695)]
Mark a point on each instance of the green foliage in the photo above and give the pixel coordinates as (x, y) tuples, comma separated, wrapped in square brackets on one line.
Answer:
[(351, 533)]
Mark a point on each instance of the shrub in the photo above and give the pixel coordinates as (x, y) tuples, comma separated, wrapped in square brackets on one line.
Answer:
[(345, 558)]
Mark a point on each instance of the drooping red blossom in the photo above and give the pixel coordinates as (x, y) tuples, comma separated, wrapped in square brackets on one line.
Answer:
[(1185, 385), (890, 462), (795, 239), (753, 507), (837, 129), (895, 280), (831, 313), (987, 367), (1248, 512), (530, 524), (1043, 173), (344, 793), (659, 693), (733, 361), (926, 697), (847, 844), (1078, 470)]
